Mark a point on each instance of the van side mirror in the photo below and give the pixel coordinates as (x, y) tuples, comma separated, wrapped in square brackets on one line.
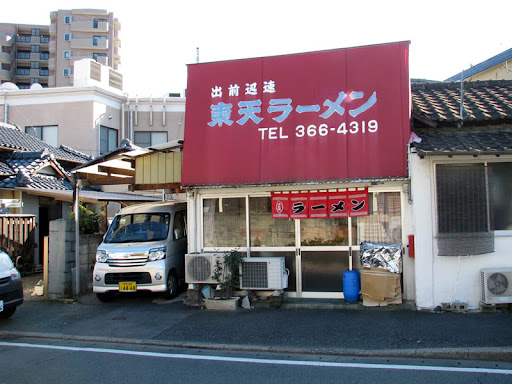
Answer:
[(178, 233)]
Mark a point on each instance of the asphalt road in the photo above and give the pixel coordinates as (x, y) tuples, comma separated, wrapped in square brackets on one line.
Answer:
[(149, 320), (28, 360)]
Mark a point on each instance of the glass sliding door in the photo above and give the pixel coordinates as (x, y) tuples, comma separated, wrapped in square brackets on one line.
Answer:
[(272, 237), (316, 251)]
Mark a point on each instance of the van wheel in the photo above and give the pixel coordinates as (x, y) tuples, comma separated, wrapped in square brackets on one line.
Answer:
[(172, 286), (105, 297)]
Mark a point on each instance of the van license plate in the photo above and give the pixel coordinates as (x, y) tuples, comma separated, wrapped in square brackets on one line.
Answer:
[(127, 286)]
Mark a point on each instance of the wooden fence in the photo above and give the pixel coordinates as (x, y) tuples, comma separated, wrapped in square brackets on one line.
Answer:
[(17, 237)]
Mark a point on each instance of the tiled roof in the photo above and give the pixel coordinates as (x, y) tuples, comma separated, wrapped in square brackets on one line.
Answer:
[(465, 142), (22, 169), (484, 102), (30, 161), (23, 179), (13, 138), (487, 124), (484, 65)]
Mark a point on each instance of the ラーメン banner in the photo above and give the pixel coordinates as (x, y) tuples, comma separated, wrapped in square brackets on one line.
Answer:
[(320, 205), (332, 115)]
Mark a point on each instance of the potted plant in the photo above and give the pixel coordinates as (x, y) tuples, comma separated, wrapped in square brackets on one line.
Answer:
[(227, 274)]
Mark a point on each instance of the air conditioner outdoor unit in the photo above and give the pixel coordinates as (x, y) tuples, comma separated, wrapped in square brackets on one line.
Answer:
[(199, 267), (496, 285), (263, 273)]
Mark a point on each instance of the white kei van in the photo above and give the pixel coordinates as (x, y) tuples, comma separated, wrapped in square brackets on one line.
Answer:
[(143, 249)]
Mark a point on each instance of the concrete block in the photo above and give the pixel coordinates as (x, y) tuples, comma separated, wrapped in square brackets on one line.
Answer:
[(487, 308), (455, 306)]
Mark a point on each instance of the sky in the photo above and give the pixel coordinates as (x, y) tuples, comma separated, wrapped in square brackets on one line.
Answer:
[(160, 38)]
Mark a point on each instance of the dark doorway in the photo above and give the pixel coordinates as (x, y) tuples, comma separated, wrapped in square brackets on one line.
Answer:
[(49, 210)]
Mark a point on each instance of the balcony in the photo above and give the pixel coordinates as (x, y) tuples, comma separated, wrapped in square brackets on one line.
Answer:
[(6, 75), (103, 60), (89, 44), (51, 81), (52, 63), (6, 57), (53, 29), (89, 26), (90, 12), (52, 47)]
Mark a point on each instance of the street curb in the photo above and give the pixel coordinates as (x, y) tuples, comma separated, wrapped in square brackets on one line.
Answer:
[(478, 353)]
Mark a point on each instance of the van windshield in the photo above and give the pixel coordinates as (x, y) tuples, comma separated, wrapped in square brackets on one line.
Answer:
[(138, 227)]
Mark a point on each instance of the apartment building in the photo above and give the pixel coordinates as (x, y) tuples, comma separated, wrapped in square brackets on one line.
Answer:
[(24, 54), (45, 54)]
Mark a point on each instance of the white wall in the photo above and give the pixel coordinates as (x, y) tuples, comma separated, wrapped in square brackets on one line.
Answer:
[(444, 279)]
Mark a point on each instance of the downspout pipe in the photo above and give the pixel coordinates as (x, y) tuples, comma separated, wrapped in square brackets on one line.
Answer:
[(76, 211)]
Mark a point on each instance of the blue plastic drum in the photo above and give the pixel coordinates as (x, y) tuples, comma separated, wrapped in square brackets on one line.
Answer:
[(351, 285)]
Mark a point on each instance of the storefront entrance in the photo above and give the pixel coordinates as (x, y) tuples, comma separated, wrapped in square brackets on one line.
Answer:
[(316, 251)]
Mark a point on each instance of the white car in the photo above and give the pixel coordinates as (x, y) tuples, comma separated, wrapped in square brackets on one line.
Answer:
[(11, 287), (143, 250)]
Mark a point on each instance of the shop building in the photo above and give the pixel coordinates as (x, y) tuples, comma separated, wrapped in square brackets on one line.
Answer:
[(301, 156), (461, 183)]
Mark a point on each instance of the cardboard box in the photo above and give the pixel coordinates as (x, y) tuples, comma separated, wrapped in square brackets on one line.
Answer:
[(369, 302), (380, 287)]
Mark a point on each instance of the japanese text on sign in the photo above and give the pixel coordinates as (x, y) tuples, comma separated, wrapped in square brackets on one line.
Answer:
[(318, 205), (221, 113)]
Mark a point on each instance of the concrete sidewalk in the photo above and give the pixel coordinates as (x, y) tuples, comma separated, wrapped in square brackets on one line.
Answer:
[(294, 328)]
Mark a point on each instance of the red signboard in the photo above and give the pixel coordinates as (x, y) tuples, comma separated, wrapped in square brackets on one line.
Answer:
[(299, 205), (358, 203), (320, 205), (280, 205), (338, 204), (318, 208), (322, 116)]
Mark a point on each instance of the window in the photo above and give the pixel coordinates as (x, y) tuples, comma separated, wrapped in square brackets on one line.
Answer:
[(464, 209), (66, 72), (268, 232), (108, 139), (36, 32), (138, 227), (384, 224), (22, 71), (67, 37), (23, 55), (96, 22), (67, 19), (501, 190), (48, 134), (95, 55), (35, 49), (67, 54), (180, 225), (44, 39), (96, 39), (23, 39), (44, 55), (34, 80), (44, 72), (224, 223), (146, 139), (34, 65)]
